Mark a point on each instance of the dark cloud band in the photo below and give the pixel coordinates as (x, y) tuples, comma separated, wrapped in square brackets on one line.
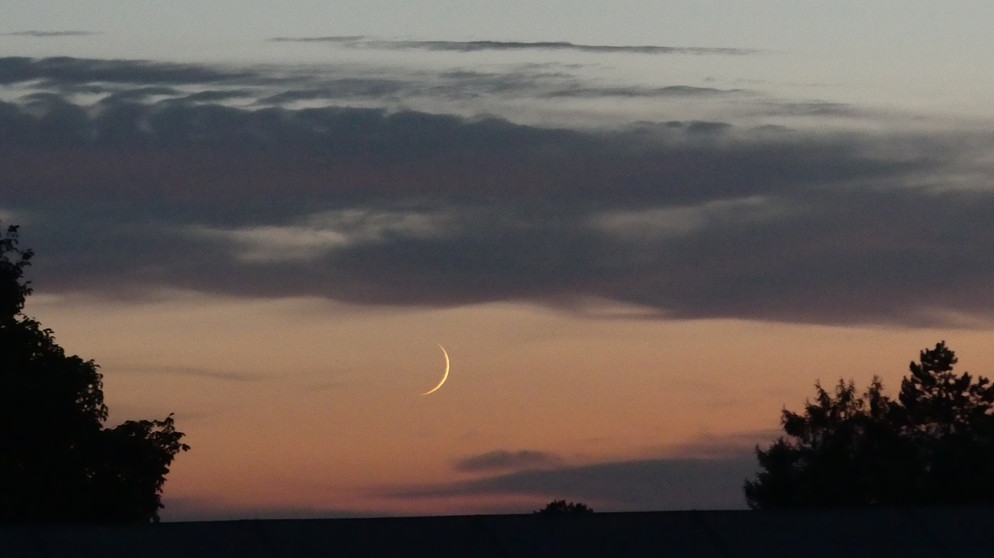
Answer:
[(691, 219)]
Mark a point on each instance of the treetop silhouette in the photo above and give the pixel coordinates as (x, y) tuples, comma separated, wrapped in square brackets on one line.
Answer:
[(58, 462), (933, 445)]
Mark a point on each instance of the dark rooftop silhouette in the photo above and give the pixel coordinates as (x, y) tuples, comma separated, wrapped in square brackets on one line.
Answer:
[(908, 532)]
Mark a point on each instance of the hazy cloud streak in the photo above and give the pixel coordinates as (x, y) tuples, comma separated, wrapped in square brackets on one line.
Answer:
[(499, 460), (473, 46), (51, 33)]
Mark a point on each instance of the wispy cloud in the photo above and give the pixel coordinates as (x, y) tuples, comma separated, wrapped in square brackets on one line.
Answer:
[(473, 46), (44, 34), (502, 460), (670, 91), (196, 372)]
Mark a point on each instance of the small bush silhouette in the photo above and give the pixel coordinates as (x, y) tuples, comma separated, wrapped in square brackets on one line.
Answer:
[(562, 507)]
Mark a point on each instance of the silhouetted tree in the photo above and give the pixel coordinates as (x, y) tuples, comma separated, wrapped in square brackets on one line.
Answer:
[(57, 461), (562, 507), (933, 445)]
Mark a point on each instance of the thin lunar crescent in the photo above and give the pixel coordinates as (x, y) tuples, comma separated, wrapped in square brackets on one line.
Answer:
[(444, 376)]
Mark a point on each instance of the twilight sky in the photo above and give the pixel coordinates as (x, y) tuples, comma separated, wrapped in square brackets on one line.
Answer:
[(640, 229)]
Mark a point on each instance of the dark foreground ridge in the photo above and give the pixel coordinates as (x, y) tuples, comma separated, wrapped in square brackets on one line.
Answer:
[(909, 532)]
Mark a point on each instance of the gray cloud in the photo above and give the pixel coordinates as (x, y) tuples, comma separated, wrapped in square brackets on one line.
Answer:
[(812, 108), (264, 87), (655, 484), (669, 91), (339, 88), (326, 39), (44, 34), (473, 46), (140, 81), (502, 460), (689, 218), (63, 71)]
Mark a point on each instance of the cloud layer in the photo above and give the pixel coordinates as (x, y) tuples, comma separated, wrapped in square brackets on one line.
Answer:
[(132, 175)]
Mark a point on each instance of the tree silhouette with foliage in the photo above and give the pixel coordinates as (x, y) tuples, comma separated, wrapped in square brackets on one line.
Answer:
[(562, 507), (57, 461), (934, 445)]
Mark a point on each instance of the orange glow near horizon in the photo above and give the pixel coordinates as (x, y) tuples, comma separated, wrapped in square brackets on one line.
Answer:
[(303, 404)]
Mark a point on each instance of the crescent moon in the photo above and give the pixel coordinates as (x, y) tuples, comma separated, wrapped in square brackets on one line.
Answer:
[(444, 376)]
